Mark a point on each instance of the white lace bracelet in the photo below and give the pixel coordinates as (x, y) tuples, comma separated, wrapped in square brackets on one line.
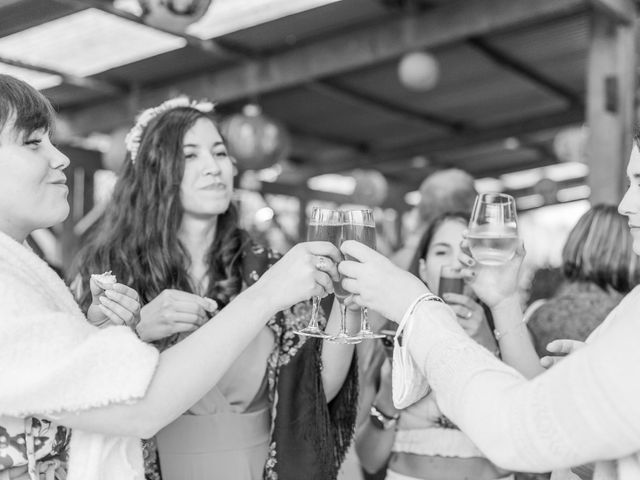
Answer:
[(500, 335), (425, 297)]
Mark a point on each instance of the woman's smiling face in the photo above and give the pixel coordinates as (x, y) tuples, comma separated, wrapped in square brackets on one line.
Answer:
[(33, 190)]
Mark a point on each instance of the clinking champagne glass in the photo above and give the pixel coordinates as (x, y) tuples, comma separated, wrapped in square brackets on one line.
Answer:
[(348, 231), (363, 230), (493, 229), (324, 224)]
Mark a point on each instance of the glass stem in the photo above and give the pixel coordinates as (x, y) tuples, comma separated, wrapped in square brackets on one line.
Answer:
[(313, 323), (364, 320), (343, 318)]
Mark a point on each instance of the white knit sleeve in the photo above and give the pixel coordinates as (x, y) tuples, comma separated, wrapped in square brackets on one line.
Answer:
[(584, 409)]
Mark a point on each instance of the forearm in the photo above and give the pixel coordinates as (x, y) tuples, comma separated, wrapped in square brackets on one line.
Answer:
[(184, 374), (373, 446), (564, 417), (336, 357), (516, 347)]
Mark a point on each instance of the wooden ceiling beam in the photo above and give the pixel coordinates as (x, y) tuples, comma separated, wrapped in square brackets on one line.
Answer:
[(368, 101), (452, 22), (616, 10), (509, 62), (456, 142)]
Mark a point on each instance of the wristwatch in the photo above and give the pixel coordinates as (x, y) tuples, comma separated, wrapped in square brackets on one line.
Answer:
[(382, 420)]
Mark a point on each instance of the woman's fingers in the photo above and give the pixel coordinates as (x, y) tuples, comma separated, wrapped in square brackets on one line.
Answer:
[(324, 281), (124, 290), (326, 265), (350, 269), (125, 316), (324, 249), (350, 285), (359, 251), (129, 303), (547, 362), (116, 319), (564, 345)]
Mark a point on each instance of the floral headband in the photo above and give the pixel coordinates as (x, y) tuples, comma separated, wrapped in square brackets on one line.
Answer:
[(133, 138)]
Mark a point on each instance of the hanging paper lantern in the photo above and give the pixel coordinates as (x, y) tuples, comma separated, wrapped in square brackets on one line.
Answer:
[(548, 189), (174, 15), (255, 140), (570, 144), (419, 71), (371, 187)]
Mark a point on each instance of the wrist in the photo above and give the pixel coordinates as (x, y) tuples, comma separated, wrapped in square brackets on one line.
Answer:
[(382, 420), (508, 305)]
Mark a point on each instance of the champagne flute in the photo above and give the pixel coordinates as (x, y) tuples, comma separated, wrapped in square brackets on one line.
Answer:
[(493, 229), (325, 225), (347, 232), (362, 228)]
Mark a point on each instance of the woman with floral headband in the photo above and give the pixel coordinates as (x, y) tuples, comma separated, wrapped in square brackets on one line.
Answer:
[(60, 372), (285, 408)]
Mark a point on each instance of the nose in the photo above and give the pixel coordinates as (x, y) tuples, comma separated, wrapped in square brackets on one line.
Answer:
[(57, 159), (212, 166), (626, 205)]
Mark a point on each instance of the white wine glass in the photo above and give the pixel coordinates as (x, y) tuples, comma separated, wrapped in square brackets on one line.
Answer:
[(493, 229), (325, 224)]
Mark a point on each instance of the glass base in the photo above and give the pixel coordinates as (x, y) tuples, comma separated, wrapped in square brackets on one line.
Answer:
[(312, 332), (344, 338), (367, 335)]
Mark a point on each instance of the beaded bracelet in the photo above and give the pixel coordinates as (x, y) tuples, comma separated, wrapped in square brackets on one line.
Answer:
[(499, 335)]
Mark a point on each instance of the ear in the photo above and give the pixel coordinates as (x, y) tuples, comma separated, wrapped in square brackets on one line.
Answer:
[(422, 269), (234, 162)]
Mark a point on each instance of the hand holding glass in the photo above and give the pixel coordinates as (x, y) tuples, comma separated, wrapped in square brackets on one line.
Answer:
[(325, 224), (493, 229)]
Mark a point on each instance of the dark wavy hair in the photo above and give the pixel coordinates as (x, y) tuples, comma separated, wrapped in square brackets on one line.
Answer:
[(137, 236), (425, 241), (25, 106), (599, 249)]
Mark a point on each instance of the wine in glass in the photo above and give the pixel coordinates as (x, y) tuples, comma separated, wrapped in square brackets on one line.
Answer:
[(361, 226), (348, 231), (325, 224), (493, 229)]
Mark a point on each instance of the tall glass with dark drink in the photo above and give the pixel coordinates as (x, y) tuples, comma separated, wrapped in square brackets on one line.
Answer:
[(451, 280), (325, 224)]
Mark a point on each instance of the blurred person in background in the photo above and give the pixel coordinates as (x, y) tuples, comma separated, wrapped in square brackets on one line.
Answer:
[(449, 190), (599, 267), (419, 442), (285, 408), (59, 372)]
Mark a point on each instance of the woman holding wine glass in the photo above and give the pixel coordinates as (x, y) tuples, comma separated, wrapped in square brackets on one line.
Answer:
[(171, 232), (584, 409), (424, 443)]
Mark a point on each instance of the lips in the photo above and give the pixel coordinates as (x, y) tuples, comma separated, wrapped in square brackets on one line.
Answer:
[(214, 187)]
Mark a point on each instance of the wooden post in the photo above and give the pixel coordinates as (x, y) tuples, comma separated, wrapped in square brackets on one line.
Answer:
[(610, 101)]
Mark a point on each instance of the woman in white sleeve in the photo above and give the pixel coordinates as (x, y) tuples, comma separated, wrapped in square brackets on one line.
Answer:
[(585, 409), (57, 371)]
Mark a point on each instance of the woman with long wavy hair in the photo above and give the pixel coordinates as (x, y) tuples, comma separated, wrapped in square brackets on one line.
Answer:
[(285, 408)]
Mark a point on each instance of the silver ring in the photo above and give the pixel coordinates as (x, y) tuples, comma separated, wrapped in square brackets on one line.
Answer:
[(469, 315), (320, 263)]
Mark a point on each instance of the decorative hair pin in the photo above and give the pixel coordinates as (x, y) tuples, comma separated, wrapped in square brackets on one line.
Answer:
[(132, 140)]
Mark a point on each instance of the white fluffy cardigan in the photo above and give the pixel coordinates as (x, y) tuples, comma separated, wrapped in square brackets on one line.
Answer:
[(52, 360)]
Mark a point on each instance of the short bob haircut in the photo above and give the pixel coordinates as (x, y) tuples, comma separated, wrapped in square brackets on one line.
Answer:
[(23, 106), (599, 249)]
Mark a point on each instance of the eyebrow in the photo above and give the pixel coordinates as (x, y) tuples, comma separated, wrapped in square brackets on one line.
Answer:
[(217, 144), (441, 244)]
